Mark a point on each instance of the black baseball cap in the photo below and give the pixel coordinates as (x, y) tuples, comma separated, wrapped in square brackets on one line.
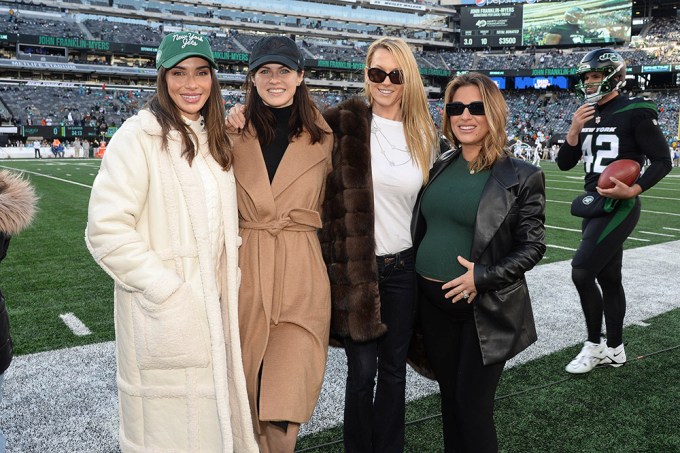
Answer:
[(276, 49)]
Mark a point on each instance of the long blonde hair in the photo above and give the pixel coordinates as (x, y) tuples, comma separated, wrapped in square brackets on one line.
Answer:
[(419, 129), (496, 112)]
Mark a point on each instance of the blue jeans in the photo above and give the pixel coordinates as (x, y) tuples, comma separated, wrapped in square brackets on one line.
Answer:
[(377, 424)]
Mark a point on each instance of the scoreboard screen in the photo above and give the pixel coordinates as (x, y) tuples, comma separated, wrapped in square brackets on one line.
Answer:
[(577, 22), (491, 26), (558, 23)]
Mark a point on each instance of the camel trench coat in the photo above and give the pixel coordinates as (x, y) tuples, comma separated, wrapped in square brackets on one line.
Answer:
[(284, 303)]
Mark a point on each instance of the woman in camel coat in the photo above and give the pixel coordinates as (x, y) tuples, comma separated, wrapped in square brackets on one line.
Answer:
[(281, 160)]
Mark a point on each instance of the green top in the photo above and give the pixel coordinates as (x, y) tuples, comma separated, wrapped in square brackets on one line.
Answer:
[(449, 206)]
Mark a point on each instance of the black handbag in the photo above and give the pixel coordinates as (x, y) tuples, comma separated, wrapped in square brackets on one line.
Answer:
[(592, 204)]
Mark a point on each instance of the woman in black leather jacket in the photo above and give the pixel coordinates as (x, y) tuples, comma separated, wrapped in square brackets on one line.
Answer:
[(478, 226)]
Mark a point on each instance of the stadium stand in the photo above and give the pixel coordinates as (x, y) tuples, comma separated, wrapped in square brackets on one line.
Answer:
[(234, 30), (84, 107), (124, 32)]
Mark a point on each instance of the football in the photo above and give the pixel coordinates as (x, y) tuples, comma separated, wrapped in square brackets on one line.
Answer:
[(625, 170)]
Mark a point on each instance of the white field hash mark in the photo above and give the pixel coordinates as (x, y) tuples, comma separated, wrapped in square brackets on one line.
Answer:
[(658, 234), (75, 324)]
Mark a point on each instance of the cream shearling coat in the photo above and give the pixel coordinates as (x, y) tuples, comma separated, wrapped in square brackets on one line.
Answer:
[(180, 377)]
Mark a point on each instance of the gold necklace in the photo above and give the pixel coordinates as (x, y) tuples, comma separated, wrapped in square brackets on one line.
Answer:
[(378, 133)]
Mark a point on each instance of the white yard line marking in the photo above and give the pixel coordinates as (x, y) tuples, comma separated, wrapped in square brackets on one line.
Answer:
[(563, 181), (578, 231), (644, 210), (657, 234), (672, 229), (670, 189), (564, 189), (560, 247), (47, 176), (641, 196), (662, 213), (75, 324), (563, 228)]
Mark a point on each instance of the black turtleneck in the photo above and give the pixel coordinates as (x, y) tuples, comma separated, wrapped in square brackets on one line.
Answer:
[(273, 152)]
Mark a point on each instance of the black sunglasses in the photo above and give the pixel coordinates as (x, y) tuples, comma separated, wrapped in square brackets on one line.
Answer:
[(457, 108), (376, 75)]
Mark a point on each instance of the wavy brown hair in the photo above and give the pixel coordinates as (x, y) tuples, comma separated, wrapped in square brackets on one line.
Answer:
[(302, 118), (170, 118), (420, 132), (496, 111)]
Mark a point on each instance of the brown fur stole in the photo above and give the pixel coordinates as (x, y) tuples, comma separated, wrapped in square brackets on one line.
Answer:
[(347, 236)]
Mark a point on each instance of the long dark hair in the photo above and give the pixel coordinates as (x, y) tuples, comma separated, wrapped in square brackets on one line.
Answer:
[(303, 116), (170, 118)]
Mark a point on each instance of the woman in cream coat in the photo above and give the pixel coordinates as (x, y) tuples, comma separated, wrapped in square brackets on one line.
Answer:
[(162, 222)]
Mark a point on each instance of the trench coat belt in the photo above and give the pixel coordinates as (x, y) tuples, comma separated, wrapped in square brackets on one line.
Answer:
[(297, 220), (272, 256)]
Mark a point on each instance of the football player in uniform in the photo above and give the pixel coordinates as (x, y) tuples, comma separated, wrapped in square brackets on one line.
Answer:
[(570, 31), (609, 126)]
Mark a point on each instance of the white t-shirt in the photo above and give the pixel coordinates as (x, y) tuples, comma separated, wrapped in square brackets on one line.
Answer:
[(397, 179)]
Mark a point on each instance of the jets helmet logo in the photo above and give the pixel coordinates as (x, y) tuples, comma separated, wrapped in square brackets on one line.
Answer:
[(609, 56)]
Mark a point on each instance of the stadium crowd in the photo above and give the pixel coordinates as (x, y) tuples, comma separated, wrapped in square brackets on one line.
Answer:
[(548, 112), (659, 40)]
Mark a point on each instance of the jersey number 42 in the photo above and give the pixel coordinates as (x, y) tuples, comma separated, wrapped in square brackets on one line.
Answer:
[(606, 147)]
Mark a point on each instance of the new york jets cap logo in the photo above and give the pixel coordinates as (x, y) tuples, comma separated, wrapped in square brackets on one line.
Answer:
[(178, 46)]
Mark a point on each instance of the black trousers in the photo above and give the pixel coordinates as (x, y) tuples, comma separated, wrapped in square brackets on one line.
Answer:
[(600, 256), (467, 386), (376, 423)]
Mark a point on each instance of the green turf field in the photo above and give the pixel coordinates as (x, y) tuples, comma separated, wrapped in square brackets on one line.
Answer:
[(52, 271), (542, 409), (49, 272)]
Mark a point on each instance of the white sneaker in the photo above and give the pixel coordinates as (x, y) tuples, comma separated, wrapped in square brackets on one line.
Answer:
[(615, 357), (589, 357)]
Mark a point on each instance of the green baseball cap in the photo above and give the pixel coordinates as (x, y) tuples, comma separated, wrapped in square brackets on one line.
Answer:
[(182, 45)]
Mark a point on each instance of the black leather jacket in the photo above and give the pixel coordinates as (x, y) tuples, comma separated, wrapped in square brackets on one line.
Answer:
[(509, 240)]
